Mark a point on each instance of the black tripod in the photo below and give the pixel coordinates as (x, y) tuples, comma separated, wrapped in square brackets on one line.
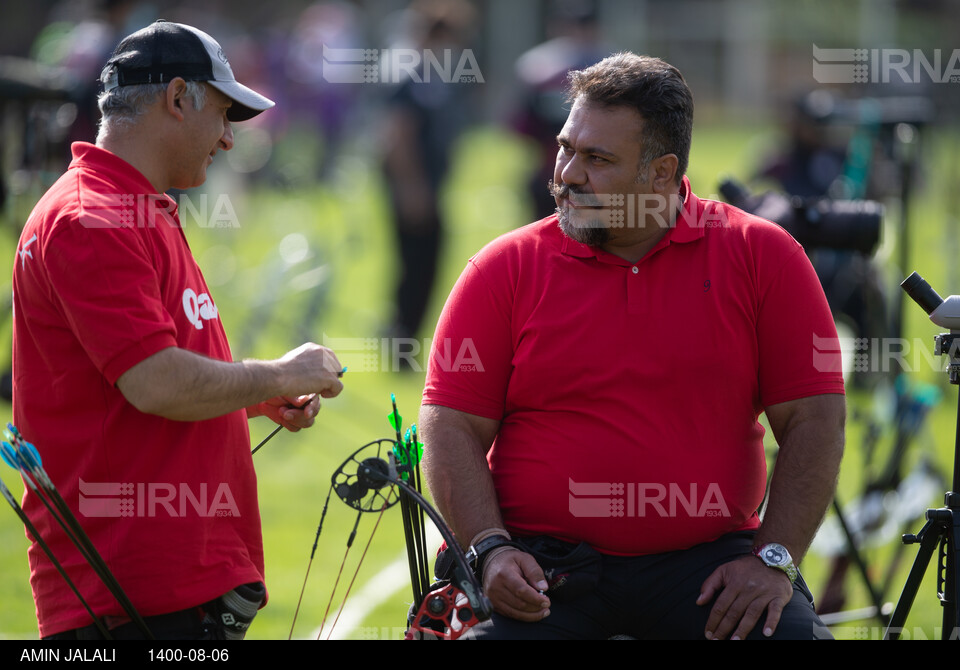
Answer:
[(942, 529)]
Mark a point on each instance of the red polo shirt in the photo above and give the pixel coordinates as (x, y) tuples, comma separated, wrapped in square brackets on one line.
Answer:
[(628, 394), (103, 279)]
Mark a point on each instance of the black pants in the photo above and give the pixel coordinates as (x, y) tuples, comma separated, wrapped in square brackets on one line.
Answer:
[(418, 243), (183, 625), (654, 598)]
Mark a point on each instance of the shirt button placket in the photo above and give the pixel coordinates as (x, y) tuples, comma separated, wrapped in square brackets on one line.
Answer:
[(635, 294)]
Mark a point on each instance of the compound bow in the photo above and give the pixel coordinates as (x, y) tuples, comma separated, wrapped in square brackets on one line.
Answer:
[(376, 477)]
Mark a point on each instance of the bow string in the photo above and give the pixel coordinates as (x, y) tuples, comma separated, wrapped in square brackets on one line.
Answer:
[(376, 477)]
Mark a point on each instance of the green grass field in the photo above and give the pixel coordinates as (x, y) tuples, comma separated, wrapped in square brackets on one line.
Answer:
[(315, 261)]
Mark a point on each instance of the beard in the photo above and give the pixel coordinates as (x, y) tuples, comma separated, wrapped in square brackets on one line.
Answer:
[(580, 225)]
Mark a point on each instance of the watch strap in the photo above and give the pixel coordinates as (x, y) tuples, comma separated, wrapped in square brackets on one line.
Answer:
[(478, 553), (763, 553)]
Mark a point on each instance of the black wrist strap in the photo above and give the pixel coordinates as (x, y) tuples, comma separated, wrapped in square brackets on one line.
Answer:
[(477, 554)]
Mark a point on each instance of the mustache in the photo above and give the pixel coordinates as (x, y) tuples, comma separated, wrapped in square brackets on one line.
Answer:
[(578, 197)]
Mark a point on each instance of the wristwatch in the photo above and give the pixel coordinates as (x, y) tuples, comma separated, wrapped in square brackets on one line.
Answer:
[(776, 556)]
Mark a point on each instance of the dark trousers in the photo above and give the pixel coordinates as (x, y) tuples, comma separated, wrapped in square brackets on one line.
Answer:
[(183, 625), (418, 244), (654, 598)]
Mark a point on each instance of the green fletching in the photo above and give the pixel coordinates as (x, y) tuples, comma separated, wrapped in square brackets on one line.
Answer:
[(395, 420), (408, 456), (407, 450)]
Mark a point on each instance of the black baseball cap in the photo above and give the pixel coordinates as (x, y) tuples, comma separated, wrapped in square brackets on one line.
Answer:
[(165, 50)]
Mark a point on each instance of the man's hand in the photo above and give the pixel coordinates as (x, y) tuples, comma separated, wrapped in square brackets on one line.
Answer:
[(291, 413), (810, 434), (312, 366), (744, 588), (513, 580)]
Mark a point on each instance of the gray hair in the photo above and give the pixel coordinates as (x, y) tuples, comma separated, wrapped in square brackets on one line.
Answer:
[(122, 105)]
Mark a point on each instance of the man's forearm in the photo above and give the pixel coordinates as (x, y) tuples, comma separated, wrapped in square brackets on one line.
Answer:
[(181, 385), (456, 470), (805, 475), (455, 463)]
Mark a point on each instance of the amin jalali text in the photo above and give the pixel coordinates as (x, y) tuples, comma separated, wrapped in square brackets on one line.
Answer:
[(68, 654)]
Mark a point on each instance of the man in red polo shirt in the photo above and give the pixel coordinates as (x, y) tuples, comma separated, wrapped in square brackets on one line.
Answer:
[(123, 378), (601, 452)]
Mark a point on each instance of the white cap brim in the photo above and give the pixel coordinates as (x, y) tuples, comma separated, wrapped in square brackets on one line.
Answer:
[(247, 103)]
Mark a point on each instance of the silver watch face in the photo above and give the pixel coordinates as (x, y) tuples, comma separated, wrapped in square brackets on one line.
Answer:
[(775, 554)]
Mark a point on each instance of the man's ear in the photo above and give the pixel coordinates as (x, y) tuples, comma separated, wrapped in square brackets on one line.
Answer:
[(664, 169), (173, 97)]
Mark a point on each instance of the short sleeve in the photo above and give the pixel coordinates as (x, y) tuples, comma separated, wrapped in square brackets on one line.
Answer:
[(799, 352), (107, 286), (471, 354)]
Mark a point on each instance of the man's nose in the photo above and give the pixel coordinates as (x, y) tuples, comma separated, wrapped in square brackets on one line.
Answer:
[(226, 140), (571, 171)]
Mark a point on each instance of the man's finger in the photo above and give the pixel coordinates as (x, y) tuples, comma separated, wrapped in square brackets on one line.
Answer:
[(774, 610), (747, 620), (724, 616), (710, 587)]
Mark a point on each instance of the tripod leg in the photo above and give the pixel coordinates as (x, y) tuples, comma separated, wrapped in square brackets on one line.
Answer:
[(833, 597), (949, 583), (854, 555), (929, 538)]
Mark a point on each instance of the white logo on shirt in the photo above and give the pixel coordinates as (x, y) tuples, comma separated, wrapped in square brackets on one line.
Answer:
[(25, 252), (198, 308)]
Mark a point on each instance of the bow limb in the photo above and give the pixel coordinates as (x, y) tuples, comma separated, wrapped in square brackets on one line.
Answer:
[(456, 606)]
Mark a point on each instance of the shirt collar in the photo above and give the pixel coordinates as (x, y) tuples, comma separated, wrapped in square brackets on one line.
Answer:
[(125, 180), (86, 155)]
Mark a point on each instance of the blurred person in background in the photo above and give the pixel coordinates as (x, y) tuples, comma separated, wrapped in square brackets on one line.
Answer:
[(308, 96), (822, 157), (424, 117), (542, 72), (81, 47)]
